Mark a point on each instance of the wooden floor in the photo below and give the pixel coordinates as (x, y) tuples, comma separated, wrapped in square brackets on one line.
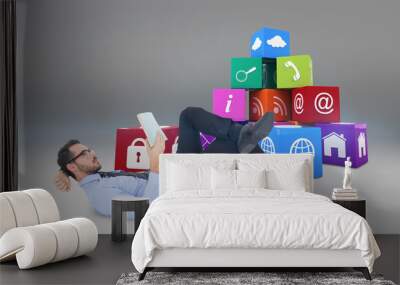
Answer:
[(110, 260)]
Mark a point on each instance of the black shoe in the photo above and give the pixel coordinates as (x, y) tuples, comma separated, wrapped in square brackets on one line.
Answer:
[(252, 133)]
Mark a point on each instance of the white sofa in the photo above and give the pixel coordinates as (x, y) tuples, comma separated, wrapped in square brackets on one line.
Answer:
[(31, 231)]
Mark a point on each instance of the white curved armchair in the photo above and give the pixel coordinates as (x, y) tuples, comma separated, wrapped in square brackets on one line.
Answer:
[(31, 230)]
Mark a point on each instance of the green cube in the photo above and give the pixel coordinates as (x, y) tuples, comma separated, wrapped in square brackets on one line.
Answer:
[(294, 71), (253, 73), (246, 72)]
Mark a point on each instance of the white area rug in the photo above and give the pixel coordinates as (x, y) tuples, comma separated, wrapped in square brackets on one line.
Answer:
[(231, 278)]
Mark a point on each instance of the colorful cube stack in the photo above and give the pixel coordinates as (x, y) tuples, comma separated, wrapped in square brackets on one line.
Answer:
[(282, 83), (277, 82)]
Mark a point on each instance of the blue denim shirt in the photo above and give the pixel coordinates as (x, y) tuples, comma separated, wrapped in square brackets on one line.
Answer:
[(100, 191)]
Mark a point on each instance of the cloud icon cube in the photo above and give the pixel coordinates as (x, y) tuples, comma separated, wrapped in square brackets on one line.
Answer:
[(270, 43)]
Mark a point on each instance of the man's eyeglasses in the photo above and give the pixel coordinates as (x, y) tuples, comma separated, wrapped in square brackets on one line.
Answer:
[(84, 152)]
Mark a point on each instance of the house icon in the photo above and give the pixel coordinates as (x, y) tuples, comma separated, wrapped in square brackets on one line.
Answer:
[(333, 140)]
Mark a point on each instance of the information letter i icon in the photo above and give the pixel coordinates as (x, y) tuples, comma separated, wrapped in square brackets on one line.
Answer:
[(228, 103)]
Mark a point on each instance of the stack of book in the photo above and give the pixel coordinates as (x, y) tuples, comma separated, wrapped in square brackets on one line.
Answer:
[(344, 194)]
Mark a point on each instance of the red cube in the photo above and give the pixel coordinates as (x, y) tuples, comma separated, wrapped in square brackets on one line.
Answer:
[(316, 104), (130, 151)]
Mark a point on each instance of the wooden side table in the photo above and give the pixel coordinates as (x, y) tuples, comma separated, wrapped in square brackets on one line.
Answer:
[(357, 206), (121, 204)]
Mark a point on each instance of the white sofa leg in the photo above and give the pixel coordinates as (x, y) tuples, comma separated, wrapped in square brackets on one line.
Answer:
[(37, 245), (11, 255)]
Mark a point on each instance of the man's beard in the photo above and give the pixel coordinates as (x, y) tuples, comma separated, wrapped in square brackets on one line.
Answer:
[(89, 169)]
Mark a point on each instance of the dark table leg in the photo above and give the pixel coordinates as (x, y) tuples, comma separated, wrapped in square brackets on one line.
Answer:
[(118, 222), (140, 211)]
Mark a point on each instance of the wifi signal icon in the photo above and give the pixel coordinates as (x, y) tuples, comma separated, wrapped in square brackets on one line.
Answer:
[(257, 109), (280, 107)]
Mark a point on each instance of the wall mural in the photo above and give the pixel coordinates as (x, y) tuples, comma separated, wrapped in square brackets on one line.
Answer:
[(307, 117)]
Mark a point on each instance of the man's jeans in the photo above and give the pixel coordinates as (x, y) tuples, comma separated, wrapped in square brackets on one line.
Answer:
[(194, 120)]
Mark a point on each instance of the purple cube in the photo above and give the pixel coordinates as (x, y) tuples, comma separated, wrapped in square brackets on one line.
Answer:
[(342, 140), (230, 103)]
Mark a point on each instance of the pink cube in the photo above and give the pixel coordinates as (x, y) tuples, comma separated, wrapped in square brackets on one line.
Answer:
[(230, 103)]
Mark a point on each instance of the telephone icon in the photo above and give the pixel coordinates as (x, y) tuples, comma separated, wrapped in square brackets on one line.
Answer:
[(290, 64)]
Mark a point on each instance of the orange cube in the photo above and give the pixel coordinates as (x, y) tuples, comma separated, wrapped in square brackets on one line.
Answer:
[(270, 100)]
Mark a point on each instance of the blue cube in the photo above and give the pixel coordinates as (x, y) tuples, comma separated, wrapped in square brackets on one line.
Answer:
[(271, 43), (295, 139)]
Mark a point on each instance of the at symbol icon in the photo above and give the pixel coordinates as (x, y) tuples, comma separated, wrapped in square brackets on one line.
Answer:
[(298, 103), (323, 103)]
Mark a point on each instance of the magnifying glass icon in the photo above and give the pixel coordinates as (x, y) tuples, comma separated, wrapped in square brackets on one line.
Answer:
[(241, 75)]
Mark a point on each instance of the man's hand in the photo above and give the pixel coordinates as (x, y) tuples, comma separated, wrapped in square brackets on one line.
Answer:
[(62, 182), (155, 151)]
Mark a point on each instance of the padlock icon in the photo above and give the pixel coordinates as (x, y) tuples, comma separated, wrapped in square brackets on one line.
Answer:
[(136, 155), (175, 145)]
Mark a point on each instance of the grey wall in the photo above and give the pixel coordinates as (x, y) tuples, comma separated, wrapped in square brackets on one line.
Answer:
[(90, 65)]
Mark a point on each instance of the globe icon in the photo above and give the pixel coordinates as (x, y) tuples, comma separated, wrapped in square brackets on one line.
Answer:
[(302, 145), (267, 145)]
